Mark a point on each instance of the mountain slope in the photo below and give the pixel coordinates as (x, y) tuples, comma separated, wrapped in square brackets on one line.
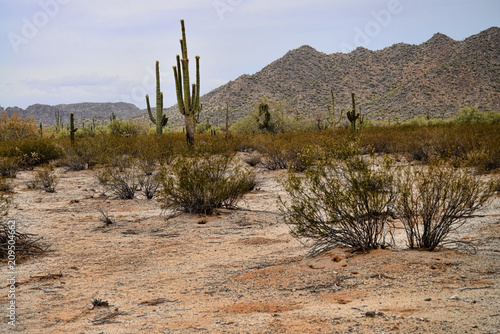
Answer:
[(399, 82), (101, 111)]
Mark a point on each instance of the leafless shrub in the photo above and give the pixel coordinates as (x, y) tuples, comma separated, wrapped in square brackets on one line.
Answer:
[(105, 218), (44, 179), (436, 201), (26, 244)]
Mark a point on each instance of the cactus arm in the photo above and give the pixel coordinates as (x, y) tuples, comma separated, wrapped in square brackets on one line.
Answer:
[(151, 117), (188, 97), (197, 96)]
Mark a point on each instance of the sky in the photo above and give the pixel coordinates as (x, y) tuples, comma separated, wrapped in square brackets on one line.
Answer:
[(70, 51)]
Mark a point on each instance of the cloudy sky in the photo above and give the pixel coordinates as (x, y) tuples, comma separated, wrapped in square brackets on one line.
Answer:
[(69, 51)]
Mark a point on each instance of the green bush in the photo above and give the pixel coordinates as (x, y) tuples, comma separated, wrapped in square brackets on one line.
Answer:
[(32, 152), (203, 183), (342, 203)]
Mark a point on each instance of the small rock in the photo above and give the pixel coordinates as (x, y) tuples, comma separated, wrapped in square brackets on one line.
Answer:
[(454, 297), (371, 314), (428, 299)]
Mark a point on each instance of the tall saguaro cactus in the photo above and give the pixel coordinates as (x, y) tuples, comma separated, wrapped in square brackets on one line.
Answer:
[(72, 129), (161, 119), (352, 116), (188, 98), (331, 112)]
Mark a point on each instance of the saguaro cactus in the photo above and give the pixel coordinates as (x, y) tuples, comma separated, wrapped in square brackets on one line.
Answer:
[(352, 116), (187, 101), (161, 119), (72, 128), (331, 112)]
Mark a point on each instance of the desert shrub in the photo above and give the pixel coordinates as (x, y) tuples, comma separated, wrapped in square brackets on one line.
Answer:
[(149, 183), (118, 127), (202, 183), (5, 200), (275, 157), (253, 160), (5, 185), (293, 150), (17, 128), (469, 115), (122, 181), (435, 201), (340, 203), (26, 244), (31, 152), (44, 179), (8, 167), (105, 217)]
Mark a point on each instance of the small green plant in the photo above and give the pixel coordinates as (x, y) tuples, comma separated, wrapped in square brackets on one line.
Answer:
[(340, 203), (44, 179), (436, 201), (203, 183)]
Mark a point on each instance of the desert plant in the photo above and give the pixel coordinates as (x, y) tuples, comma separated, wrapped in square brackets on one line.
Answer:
[(16, 127), (253, 160), (72, 129), (149, 182), (161, 119), (333, 121), (5, 200), (8, 167), (5, 186), (26, 244), (34, 151), (203, 183), (435, 201), (122, 182), (105, 218), (352, 116), (44, 179), (343, 203), (189, 105)]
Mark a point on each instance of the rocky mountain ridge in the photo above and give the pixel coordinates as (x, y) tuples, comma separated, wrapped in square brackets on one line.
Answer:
[(399, 82)]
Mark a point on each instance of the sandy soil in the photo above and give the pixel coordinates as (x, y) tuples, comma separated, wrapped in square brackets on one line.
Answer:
[(236, 272)]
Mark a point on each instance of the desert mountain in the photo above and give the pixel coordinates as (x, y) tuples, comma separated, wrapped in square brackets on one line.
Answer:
[(399, 82), (100, 111), (402, 81)]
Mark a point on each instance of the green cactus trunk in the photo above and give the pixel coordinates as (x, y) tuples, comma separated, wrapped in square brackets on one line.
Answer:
[(161, 119), (352, 116), (331, 113), (188, 101), (72, 128)]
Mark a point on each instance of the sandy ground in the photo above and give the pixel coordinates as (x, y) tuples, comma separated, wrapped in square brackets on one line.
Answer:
[(236, 272)]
